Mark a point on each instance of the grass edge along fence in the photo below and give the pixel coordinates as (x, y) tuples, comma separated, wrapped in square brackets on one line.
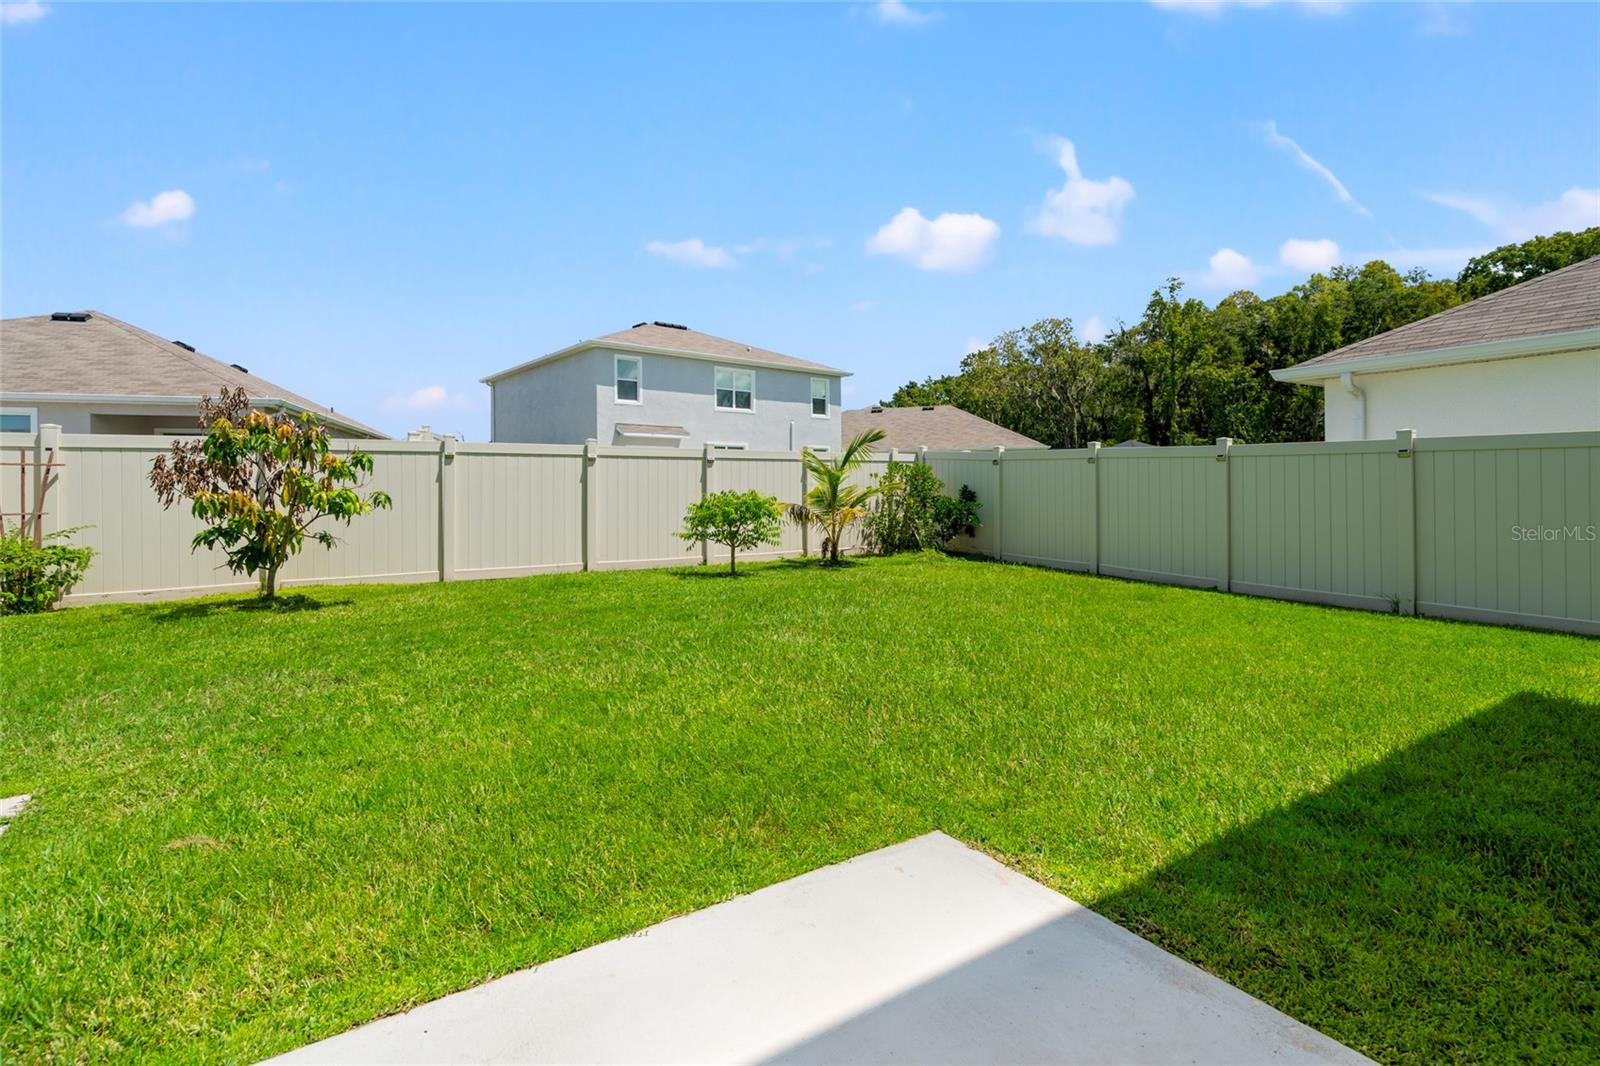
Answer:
[(1497, 529)]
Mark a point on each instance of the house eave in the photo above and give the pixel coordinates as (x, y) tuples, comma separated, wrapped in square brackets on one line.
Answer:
[(645, 349), (182, 401), (1513, 348)]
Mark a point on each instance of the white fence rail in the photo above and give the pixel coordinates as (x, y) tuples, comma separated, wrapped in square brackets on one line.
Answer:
[(1496, 529)]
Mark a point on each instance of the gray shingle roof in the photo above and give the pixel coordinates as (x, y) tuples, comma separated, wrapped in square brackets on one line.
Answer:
[(690, 342), (1561, 301), (105, 356), (943, 426), (670, 338)]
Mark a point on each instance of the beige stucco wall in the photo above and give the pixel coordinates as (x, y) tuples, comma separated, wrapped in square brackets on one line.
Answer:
[(1533, 394)]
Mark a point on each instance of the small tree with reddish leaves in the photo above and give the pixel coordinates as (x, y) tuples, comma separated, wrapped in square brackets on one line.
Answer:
[(259, 482)]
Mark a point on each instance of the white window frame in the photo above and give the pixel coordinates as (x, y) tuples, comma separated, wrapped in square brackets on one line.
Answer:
[(735, 409), (31, 412), (616, 376), (827, 402)]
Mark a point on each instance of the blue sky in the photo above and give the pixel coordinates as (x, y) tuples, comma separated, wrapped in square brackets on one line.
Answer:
[(377, 205)]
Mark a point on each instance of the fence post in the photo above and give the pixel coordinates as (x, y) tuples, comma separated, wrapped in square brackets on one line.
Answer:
[(706, 459), (1094, 507), (999, 503), (805, 527), (1405, 442), (1223, 498), (591, 502), (47, 443), (447, 509)]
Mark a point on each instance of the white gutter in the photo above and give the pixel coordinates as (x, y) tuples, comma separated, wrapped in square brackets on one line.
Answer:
[(174, 401), (1314, 373), (644, 349), (1348, 380)]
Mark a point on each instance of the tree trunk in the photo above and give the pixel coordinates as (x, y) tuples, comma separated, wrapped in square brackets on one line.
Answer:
[(731, 551), (269, 584)]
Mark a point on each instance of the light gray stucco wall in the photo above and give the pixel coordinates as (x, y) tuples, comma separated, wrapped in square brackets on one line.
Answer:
[(553, 403), (539, 405)]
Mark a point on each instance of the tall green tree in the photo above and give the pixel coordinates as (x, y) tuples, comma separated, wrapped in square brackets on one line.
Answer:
[(1513, 263)]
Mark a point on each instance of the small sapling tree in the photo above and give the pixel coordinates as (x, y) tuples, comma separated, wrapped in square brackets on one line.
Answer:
[(740, 520), (259, 482)]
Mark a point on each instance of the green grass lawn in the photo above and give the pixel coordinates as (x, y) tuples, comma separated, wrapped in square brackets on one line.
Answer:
[(256, 828)]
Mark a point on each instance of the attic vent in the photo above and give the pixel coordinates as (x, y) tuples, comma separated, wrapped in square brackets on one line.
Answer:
[(70, 316), (669, 325), (636, 325), (927, 407), (236, 366), (877, 410), (185, 347)]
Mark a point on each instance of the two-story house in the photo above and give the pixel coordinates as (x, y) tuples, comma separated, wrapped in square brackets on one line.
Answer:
[(664, 385)]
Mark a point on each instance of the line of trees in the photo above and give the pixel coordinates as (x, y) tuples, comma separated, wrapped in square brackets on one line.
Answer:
[(1187, 373)]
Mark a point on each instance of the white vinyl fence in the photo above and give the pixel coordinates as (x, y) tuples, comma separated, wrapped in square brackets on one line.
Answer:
[(1492, 529), (1495, 529)]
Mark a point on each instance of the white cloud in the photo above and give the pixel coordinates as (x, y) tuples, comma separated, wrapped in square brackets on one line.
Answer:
[(898, 13), (1093, 329), (1082, 211), (975, 344), (428, 398), (1269, 129), (949, 242), (1577, 208), (174, 205), (1318, 256), (1230, 270), (22, 11), (692, 252)]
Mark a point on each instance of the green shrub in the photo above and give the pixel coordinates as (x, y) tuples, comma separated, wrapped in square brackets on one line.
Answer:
[(957, 516), (736, 519), (34, 577), (904, 515), (913, 514)]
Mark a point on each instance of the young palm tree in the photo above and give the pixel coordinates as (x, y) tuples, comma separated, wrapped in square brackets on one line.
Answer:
[(832, 503)]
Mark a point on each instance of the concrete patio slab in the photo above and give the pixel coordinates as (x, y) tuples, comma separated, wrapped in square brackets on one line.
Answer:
[(927, 951)]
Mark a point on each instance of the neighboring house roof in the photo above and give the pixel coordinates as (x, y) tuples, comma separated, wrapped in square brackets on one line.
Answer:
[(940, 426), (1554, 312), (107, 360), (661, 338)]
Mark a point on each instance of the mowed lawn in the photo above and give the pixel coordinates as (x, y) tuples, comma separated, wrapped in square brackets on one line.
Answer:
[(256, 828)]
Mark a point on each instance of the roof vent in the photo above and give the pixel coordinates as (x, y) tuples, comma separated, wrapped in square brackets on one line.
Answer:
[(876, 409), (636, 325), (236, 366), (927, 407), (669, 325), (70, 316), (185, 347)]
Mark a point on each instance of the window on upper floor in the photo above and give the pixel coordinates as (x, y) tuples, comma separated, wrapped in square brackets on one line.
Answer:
[(628, 379), (819, 397), (735, 389)]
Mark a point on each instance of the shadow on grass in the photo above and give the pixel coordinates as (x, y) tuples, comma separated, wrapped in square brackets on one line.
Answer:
[(1440, 905), (757, 568), (293, 603)]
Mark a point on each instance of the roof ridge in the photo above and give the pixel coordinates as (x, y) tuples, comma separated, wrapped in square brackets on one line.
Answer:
[(201, 361)]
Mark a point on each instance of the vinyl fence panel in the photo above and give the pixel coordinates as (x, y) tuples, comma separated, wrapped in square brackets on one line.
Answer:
[(516, 509), (1495, 529)]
